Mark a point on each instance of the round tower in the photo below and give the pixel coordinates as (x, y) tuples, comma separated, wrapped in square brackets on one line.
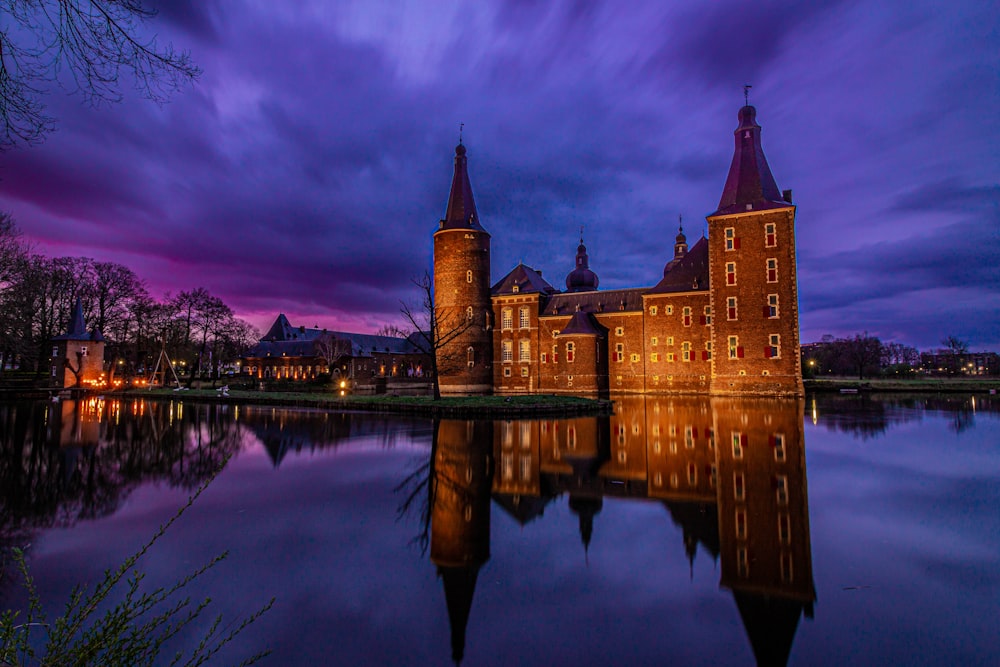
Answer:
[(462, 307)]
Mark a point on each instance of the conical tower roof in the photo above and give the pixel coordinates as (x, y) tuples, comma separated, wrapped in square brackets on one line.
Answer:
[(461, 212), (750, 185)]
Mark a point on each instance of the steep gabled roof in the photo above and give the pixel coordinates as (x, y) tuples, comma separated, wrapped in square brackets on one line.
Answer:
[(77, 327), (461, 212), (583, 324), (282, 339), (526, 279), (750, 185), (606, 301), (689, 274)]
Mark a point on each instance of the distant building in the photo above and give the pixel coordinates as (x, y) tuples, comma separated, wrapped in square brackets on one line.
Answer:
[(299, 353), (721, 319), (945, 362), (77, 355)]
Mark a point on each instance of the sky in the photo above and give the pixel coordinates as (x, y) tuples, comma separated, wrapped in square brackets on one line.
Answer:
[(307, 168)]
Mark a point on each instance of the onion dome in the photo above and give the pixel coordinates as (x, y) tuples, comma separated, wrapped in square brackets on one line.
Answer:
[(582, 279), (680, 249)]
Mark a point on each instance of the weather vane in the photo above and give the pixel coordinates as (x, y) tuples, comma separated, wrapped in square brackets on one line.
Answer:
[(680, 222), (581, 234), (746, 93), (461, 126)]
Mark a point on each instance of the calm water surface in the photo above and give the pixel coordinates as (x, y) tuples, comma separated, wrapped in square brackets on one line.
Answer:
[(834, 531)]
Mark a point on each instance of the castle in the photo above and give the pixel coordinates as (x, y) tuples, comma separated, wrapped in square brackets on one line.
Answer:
[(721, 320)]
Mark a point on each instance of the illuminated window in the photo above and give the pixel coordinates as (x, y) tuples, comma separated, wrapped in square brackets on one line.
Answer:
[(735, 351), (524, 318), (634, 358), (670, 310), (730, 273), (652, 341), (570, 351), (507, 318), (686, 314), (770, 237), (773, 349), (468, 276), (731, 311), (524, 350), (507, 351), (771, 309), (619, 331), (732, 242), (670, 340), (670, 357), (524, 371), (772, 270), (652, 310), (83, 350), (706, 355), (654, 357)]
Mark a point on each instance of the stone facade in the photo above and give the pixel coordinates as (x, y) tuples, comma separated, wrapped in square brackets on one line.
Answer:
[(722, 320), (78, 355)]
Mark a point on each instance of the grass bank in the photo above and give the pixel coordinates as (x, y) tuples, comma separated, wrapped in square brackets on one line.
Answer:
[(485, 407)]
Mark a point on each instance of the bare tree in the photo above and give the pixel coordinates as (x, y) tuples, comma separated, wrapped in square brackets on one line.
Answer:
[(84, 46), (332, 348), (956, 349), (862, 351), (391, 330), (433, 331)]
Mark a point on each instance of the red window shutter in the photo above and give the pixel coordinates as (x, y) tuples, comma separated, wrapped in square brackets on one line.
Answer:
[(736, 243), (708, 469), (770, 239), (694, 433), (767, 352), (704, 355), (730, 278), (739, 352), (702, 320), (732, 313), (767, 311), (743, 439), (771, 440)]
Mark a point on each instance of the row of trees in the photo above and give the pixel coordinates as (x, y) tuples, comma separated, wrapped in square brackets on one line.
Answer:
[(38, 294), (866, 355)]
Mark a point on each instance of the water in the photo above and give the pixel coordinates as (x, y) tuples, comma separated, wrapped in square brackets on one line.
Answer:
[(839, 530)]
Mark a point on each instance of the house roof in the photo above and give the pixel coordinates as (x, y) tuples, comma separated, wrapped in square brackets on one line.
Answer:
[(282, 339), (526, 279), (750, 185), (689, 274), (606, 301), (583, 324), (77, 327)]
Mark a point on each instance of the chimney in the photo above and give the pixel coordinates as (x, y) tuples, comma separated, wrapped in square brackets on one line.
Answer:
[(787, 195)]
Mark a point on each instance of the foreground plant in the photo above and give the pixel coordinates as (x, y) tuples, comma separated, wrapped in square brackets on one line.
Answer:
[(132, 632)]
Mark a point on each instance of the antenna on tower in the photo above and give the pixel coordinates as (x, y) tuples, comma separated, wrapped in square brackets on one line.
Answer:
[(461, 126), (746, 93)]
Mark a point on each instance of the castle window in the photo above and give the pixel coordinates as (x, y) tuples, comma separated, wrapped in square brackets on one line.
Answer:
[(739, 443), (739, 486), (772, 270), (741, 524), (686, 351), (524, 371), (730, 273), (732, 241), (524, 318), (83, 351), (781, 489), (506, 319), (770, 237), (506, 372), (734, 347), (688, 437), (468, 313), (55, 352), (692, 474), (524, 350), (706, 318), (654, 340), (686, 314), (515, 289), (507, 351), (706, 354), (652, 310), (773, 349), (670, 310), (470, 357), (570, 351), (555, 354), (670, 341), (634, 358), (545, 357), (468, 276), (619, 331), (54, 371), (779, 447), (619, 352), (784, 529), (654, 357), (731, 311), (771, 309), (670, 357)]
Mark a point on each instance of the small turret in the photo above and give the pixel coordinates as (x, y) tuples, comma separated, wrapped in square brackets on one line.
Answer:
[(680, 248), (581, 278)]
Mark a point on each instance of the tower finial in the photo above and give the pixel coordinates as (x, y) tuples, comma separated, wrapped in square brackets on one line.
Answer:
[(680, 223), (461, 126), (581, 234), (746, 93)]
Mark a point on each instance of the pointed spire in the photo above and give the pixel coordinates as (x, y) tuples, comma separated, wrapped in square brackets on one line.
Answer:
[(581, 278), (750, 185), (77, 327), (461, 212)]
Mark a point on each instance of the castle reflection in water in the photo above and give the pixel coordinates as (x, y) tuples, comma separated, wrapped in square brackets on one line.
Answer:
[(730, 472)]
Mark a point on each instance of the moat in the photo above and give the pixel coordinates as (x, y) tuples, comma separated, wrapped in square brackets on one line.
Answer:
[(834, 530)]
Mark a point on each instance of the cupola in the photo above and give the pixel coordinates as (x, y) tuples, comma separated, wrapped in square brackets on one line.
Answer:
[(581, 278)]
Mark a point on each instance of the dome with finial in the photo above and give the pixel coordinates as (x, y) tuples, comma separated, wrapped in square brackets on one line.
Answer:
[(680, 247), (581, 278)]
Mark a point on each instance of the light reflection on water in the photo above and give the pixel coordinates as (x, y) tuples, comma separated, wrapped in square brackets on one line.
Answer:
[(678, 529)]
